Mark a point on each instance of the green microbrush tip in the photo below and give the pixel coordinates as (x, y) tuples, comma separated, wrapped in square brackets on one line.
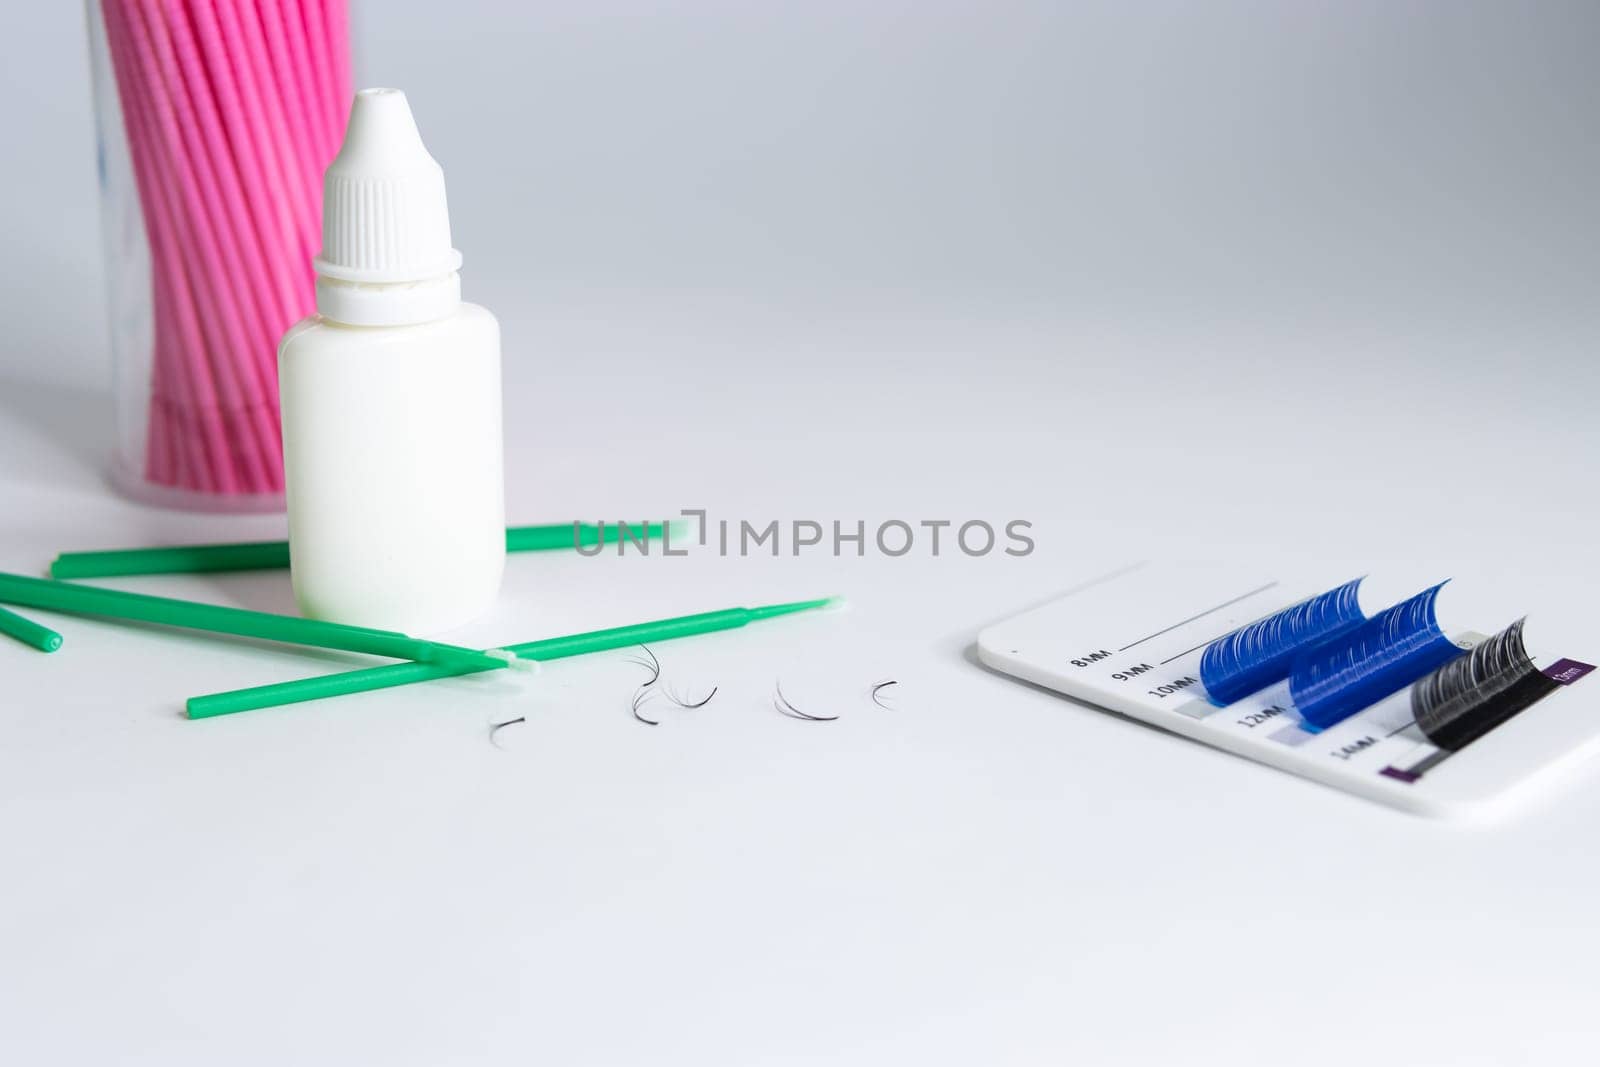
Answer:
[(28, 632), (772, 611)]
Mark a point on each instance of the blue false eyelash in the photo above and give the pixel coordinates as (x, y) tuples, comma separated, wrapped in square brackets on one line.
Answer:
[(1469, 696), (1383, 655), (1254, 656)]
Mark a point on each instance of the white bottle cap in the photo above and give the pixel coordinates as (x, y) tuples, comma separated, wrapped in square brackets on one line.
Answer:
[(386, 255)]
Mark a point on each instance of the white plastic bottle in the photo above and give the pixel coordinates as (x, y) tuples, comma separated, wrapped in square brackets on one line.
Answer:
[(391, 399)]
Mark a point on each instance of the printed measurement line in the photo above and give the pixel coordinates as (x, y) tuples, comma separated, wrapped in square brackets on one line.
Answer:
[(1203, 614), (1186, 651)]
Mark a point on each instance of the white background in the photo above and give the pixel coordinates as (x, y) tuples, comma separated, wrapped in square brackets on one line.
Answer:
[(1274, 282)]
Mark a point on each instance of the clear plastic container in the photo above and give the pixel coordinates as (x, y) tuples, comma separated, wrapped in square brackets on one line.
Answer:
[(215, 120)]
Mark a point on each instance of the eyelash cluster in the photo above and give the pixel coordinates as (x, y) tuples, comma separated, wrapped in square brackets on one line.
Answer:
[(1389, 651), (1468, 697), (1255, 656), (644, 693)]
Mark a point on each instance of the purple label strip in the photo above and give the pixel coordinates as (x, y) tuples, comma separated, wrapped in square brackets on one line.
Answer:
[(1567, 671)]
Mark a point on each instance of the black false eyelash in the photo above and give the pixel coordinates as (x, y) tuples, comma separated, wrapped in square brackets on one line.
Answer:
[(643, 694), (784, 707), (676, 699), (653, 666), (640, 698), (1471, 695), (881, 686), (497, 727)]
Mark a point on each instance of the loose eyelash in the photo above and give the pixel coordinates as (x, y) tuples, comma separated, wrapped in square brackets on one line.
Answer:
[(641, 698), (497, 727), (676, 699), (877, 688), (784, 707), (654, 666), (642, 695)]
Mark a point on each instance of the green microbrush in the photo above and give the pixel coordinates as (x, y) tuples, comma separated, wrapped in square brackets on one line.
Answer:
[(114, 604), (274, 555), (330, 685)]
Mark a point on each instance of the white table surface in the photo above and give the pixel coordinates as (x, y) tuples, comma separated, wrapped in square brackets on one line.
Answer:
[(776, 298)]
